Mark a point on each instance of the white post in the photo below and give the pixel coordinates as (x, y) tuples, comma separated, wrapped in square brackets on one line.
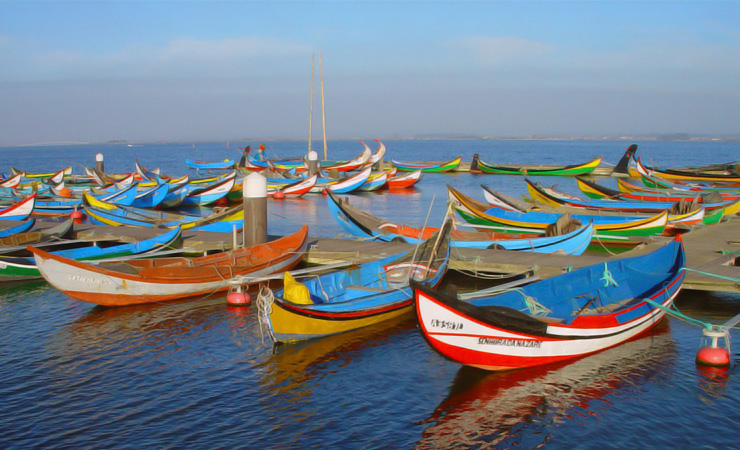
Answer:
[(313, 163), (99, 166), (255, 209)]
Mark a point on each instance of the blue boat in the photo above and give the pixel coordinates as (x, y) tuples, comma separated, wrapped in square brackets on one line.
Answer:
[(102, 213), (210, 194), (24, 268), (16, 227), (226, 164), (152, 197), (356, 297), (368, 227)]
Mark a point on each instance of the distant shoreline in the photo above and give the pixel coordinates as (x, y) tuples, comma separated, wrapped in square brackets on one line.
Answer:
[(663, 138)]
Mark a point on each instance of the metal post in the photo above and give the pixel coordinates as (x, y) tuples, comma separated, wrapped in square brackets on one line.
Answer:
[(255, 209), (99, 166)]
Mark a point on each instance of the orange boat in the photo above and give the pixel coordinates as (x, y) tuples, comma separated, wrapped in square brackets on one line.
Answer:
[(163, 279)]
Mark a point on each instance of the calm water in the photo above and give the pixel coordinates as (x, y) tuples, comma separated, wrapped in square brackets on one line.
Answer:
[(198, 374)]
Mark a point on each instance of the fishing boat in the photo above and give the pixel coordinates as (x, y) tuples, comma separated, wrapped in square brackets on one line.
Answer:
[(571, 315), (12, 182), (342, 185), (208, 195), (226, 164), (292, 189), (575, 169), (411, 166), (20, 210), (163, 279), (15, 227), (15, 243), (55, 175), (375, 181), (151, 197), (598, 192), (368, 227), (404, 181), (613, 230), (356, 297), (19, 268), (723, 176), (552, 197), (102, 213)]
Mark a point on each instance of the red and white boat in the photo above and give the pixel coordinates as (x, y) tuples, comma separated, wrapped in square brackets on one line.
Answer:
[(20, 210), (292, 190), (12, 182), (563, 317), (404, 181)]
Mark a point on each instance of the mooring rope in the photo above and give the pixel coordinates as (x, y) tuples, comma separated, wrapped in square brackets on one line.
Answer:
[(265, 299)]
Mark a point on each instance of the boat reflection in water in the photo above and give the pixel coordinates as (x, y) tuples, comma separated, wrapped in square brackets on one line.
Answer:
[(521, 407), (295, 367)]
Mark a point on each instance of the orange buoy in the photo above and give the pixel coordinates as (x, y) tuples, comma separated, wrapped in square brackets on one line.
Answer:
[(279, 195), (65, 192), (713, 356), (238, 298)]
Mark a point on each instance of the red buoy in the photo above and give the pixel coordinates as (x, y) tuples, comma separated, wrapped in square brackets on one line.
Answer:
[(324, 192), (238, 299), (279, 195), (77, 215), (713, 356)]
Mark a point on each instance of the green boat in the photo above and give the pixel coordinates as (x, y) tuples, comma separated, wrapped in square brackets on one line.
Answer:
[(479, 166)]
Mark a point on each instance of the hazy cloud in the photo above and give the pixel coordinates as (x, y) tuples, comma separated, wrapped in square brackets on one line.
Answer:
[(491, 50)]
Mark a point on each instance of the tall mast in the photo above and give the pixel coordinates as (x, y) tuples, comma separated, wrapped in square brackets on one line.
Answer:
[(310, 110), (323, 117)]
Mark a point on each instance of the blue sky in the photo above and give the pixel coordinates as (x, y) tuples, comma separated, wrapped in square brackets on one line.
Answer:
[(146, 70)]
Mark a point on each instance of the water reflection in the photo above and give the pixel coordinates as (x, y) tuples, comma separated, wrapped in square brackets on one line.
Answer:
[(510, 407), (292, 366)]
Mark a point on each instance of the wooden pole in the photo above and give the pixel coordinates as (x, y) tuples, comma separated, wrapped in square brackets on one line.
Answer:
[(310, 110), (255, 209), (323, 116)]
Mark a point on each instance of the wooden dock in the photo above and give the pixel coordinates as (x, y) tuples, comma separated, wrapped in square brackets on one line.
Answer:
[(711, 249)]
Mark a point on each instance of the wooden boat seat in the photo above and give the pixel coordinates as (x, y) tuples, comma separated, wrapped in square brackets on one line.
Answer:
[(365, 288)]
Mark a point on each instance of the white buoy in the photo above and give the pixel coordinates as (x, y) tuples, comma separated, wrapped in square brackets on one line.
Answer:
[(99, 163)]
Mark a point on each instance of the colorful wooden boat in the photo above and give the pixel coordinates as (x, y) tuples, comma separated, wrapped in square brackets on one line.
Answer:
[(374, 182), (15, 243), (209, 195), (16, 269), (66, 171), (571, 315), (611, 229), (164, 279), (20, 210), (12, 182), (17, 227), (226, 164), (552, 197), (151, 197), (575, 169), (405, 181), (293, 189), (342, 185), (692, 175), (411, 166), (368, 227), (102, 213), (598, 192), (357, 297)]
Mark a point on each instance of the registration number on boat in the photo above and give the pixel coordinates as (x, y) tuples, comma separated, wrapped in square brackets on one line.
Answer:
[(446, 324)]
